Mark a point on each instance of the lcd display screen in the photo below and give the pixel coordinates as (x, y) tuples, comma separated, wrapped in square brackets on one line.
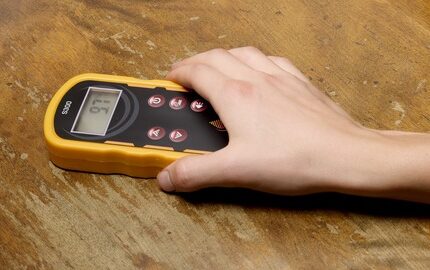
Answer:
[(96, 111)]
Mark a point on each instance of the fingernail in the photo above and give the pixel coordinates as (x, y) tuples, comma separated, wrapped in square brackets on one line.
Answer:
[(164, 181)]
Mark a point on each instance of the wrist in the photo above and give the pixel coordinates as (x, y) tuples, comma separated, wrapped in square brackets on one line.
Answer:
[(388, 164)]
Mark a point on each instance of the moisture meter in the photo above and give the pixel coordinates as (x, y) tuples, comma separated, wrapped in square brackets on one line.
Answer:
[(114, 124)]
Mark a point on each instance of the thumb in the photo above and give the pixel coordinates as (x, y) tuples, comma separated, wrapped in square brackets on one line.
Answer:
[(194, 172)]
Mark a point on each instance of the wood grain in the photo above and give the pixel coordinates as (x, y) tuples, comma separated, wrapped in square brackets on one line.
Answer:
[(370, 56)]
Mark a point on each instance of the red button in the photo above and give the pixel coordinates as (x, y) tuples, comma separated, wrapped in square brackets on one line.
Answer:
[(198, 105), (156, 101), (156, 133), (178, 103), (178, 135)]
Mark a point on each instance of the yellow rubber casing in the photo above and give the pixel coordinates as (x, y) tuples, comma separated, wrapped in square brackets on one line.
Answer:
[(109, 157)]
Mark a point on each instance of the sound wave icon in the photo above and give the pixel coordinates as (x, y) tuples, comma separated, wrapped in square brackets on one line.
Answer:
[(218, 124)]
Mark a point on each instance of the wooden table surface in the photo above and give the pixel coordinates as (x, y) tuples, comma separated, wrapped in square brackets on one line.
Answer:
[(370, 56)]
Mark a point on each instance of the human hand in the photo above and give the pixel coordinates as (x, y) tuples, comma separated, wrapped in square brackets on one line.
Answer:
[(285, 136)]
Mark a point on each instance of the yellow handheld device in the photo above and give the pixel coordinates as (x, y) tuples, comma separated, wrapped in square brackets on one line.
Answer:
[(114, 124)]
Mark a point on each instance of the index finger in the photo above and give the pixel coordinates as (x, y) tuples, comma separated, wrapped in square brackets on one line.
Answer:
[(205, 80)]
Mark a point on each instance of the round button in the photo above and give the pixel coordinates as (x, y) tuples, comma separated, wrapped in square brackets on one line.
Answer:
[(178, 135), (198, 105), (178, 103), (156, 133), (156, 101)]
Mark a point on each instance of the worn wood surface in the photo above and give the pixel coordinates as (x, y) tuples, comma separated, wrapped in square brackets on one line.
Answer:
[(371, 56)]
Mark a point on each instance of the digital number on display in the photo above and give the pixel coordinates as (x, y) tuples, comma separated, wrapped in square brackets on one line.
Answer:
[(96, 111)]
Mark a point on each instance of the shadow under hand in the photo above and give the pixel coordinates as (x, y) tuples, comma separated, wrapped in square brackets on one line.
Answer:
[(323, 201)]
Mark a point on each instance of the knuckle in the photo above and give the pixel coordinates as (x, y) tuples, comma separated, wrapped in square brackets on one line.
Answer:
[(217, 52), (196, 69), (281, 60), (241, 88), (285, 60), (251, 50), (270, 79)]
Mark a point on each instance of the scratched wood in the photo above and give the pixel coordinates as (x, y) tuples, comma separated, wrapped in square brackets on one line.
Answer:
[(370, 56)]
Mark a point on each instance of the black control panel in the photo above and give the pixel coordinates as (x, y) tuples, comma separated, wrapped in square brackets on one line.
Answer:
[(141, 116)]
